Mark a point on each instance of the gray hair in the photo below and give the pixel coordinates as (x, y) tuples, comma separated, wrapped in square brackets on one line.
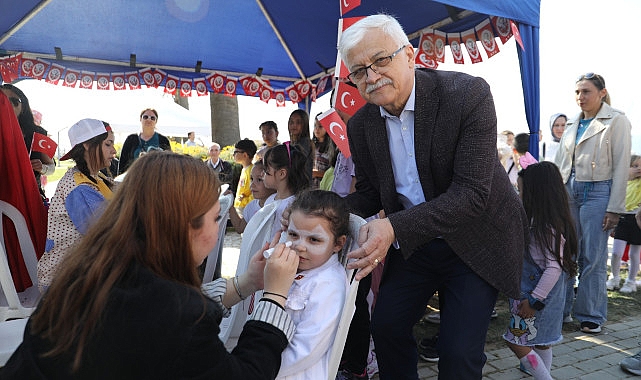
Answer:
[(357, 32), (214, 144)]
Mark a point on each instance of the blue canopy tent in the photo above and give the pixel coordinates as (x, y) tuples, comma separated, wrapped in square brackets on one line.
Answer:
[(284, 41)]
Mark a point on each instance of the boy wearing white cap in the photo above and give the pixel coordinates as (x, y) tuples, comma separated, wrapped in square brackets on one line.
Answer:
[(79, 195)]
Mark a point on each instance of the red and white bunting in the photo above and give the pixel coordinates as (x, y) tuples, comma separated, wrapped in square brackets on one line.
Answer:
[(147, 75), (469, 40), (517, 34), (171, 84), (230, 86), (10, 68), (422, 60), (486, 35), (438, 39), (322, 83), (102, 81), (185, 87), (313, 93), (455, 46), (216, 82), (200, 85), (254, 87), (502, 27), (279, 95), (303, 87), (244, 81), (26, 67), (119, 81), (266, 93), (38, 70), (86, 79), (55, 73), (426, 44), (293, 94), (71, 78), (133, 80), (159, 77)]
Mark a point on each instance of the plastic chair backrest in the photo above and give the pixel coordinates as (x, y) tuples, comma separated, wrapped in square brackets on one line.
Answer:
[(12, 303), (257, 232), (11, 333), (355, 223), (226, 202)]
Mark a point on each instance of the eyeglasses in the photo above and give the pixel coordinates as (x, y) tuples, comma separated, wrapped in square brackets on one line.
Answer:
[(145, 117), (377, 66), (593, 77), (239, 151), (15, 101)]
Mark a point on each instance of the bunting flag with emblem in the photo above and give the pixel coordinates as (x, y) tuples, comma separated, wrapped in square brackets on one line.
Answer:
[(517, 34), (54, 74), (159, 77), (502, 27), (455, 47), (171, 84), (303, 87), (133, 80), (486, 34), (43, 144), (266, 93), (216, 82), (71, 78), (26, 67), (348, 99), (293, 94), (148, 77), (348, 5), (185, 87), (469, 40), (102, 81), (336, 129), (230, 86), (10, 68), (438, 38), (279, 95), (200, 85), (119, 81), (86, 79)]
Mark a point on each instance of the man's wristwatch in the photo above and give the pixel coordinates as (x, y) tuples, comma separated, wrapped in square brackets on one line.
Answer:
[(534, 303)]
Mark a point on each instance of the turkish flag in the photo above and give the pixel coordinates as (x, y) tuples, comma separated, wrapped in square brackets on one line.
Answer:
[(21, 191), (343, 23), (43, 144), (336, 129), (348, 5), (348, 99)]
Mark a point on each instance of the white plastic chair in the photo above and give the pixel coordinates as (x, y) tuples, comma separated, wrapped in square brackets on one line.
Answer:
[(355, 223), (13, 304), (256, 233), (11, 333), (226, 202)]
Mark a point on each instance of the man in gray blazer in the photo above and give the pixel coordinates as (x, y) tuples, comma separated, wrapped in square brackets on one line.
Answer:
[(424, 149)]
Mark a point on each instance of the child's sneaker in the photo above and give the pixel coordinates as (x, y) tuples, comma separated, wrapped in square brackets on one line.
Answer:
[(613, 283), (628, 287)]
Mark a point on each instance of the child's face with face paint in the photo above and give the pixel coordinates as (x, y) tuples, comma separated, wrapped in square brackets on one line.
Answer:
[(312, 239)]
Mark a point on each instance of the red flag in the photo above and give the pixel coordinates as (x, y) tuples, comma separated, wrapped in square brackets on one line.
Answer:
[(336, 129), (469, 39), (159, 76), (439, 46), (86, 79), (455, 47), (102, 81), (171, 84), (230, 86), (293, 94), (27, 66), (201, 86), (486, 34), (148, 77), (517, 34), (38, 70), (133, 80), (348, 5), (279, 95), (119, 81), (216, 82), (348, 99), (422, 60), (20, 191), (44, 144), (303, 87), (266, 93), (10, 67), (502, 27), (343, 23), (55, 73), (71, 78), (185, 87)]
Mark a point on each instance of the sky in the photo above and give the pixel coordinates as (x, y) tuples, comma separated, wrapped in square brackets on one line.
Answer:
[(576, 37)]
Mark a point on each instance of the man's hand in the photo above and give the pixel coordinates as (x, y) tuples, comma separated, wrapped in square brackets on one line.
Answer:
[(374, 239)]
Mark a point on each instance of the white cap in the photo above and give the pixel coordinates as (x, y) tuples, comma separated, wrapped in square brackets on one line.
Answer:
[(85, 130)]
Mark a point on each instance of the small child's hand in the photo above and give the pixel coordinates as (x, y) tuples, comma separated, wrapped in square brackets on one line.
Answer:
[(524, 310)]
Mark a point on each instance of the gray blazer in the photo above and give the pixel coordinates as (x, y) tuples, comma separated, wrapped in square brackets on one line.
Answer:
[(469, 199)]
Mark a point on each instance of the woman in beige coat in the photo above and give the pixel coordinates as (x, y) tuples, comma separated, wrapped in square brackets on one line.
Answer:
[(594, 157)]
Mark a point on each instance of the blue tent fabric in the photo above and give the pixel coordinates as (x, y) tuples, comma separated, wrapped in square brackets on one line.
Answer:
[(285, 40), (530, 79)]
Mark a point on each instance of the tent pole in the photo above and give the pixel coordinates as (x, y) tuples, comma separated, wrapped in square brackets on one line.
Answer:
[(280, 38), (24, 20)]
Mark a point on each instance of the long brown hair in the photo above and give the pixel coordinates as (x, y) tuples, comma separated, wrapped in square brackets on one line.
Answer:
[(147, 222)]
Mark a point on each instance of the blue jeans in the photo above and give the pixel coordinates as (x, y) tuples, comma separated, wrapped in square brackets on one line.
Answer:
[(588, 204), (466, 305)]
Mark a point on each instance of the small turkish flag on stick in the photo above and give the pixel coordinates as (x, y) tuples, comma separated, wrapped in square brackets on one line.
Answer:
[(43, 144), (336, 129)]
